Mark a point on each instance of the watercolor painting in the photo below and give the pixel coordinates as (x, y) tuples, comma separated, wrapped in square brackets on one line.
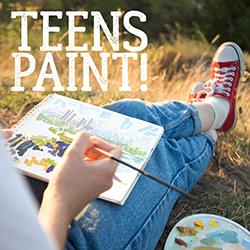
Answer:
[(42, 137), (208, 232)]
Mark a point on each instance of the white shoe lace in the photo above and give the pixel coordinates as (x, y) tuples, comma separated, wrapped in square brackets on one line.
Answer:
[(222, 81)]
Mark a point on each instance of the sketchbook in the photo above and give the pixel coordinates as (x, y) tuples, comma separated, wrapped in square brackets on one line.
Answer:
[(42, 136)]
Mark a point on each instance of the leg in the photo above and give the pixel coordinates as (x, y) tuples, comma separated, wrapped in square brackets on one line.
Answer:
[(179, 119), (140, 222), (206, 115)]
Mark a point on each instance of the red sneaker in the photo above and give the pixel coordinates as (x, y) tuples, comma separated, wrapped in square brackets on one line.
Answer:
[(226, 69)]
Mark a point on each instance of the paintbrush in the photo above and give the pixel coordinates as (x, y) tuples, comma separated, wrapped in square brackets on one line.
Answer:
[(152, 177)]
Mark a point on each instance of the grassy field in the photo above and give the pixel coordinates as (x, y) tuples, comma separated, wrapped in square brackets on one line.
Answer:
[(225, 188)]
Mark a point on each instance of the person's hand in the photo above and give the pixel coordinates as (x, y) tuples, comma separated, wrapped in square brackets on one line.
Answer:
[(7, 133), (77, 181), (80, 177)]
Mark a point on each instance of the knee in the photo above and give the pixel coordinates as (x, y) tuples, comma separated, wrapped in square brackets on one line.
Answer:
[(131, 107)]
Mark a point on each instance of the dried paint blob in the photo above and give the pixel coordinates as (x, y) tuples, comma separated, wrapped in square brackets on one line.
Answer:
[(213, 234), (213, 223), (187, 231), (209, 241), (50, 168), (246, 244), (229, 237), (233, 247), (199, 225), (180, 242)]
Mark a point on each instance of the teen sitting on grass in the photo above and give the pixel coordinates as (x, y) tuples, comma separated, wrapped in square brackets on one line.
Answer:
[(181, 157)]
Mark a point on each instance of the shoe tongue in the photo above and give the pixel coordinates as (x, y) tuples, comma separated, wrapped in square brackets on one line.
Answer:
[(210, 86)]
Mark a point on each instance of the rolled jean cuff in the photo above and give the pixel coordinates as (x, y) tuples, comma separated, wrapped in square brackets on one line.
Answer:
[(197, 121)]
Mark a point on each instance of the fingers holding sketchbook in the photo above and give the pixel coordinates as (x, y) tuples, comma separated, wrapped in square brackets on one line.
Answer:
[(7, 133)]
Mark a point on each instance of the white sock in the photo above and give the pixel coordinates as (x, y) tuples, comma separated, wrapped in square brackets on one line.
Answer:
[(221, 109)]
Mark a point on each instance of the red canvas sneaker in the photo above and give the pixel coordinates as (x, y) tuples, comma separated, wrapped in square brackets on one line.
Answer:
[(226, 69)]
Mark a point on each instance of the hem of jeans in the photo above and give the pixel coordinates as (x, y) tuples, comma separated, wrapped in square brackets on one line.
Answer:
[(197, 121), (156, 208), (212, 141), (193, 113), (210, 138)]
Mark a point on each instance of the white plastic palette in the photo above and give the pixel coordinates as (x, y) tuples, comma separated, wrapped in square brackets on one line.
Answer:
[(218, 233)]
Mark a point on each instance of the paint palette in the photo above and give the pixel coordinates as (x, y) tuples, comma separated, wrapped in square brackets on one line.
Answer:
[(208, 232)]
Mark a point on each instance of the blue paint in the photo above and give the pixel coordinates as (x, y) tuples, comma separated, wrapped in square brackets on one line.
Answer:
[(37, 148), (246, 244), (24, 147), (229, 237), (50, 168), (214, 234), (59, 150)]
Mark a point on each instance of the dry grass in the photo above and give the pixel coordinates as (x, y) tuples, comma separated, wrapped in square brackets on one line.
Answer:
[(224, 189)]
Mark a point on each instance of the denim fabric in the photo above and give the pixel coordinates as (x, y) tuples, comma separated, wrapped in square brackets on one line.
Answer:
[(181, 157)]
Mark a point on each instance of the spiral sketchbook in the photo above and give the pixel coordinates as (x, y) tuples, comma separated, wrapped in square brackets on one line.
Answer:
[(42, 136)]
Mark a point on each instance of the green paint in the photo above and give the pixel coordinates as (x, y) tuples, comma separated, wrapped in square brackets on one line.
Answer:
[(134, 150), (53, 130), (127, 148), (52, 120), (50, 161), (63, 126), (64, 138), (71, 131), (40, 141), (209, 241)]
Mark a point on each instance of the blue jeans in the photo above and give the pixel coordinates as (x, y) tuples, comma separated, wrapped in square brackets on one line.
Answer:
[(181, 157)]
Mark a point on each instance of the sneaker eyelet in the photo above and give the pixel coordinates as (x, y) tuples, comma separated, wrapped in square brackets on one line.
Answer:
[(233, 68)]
